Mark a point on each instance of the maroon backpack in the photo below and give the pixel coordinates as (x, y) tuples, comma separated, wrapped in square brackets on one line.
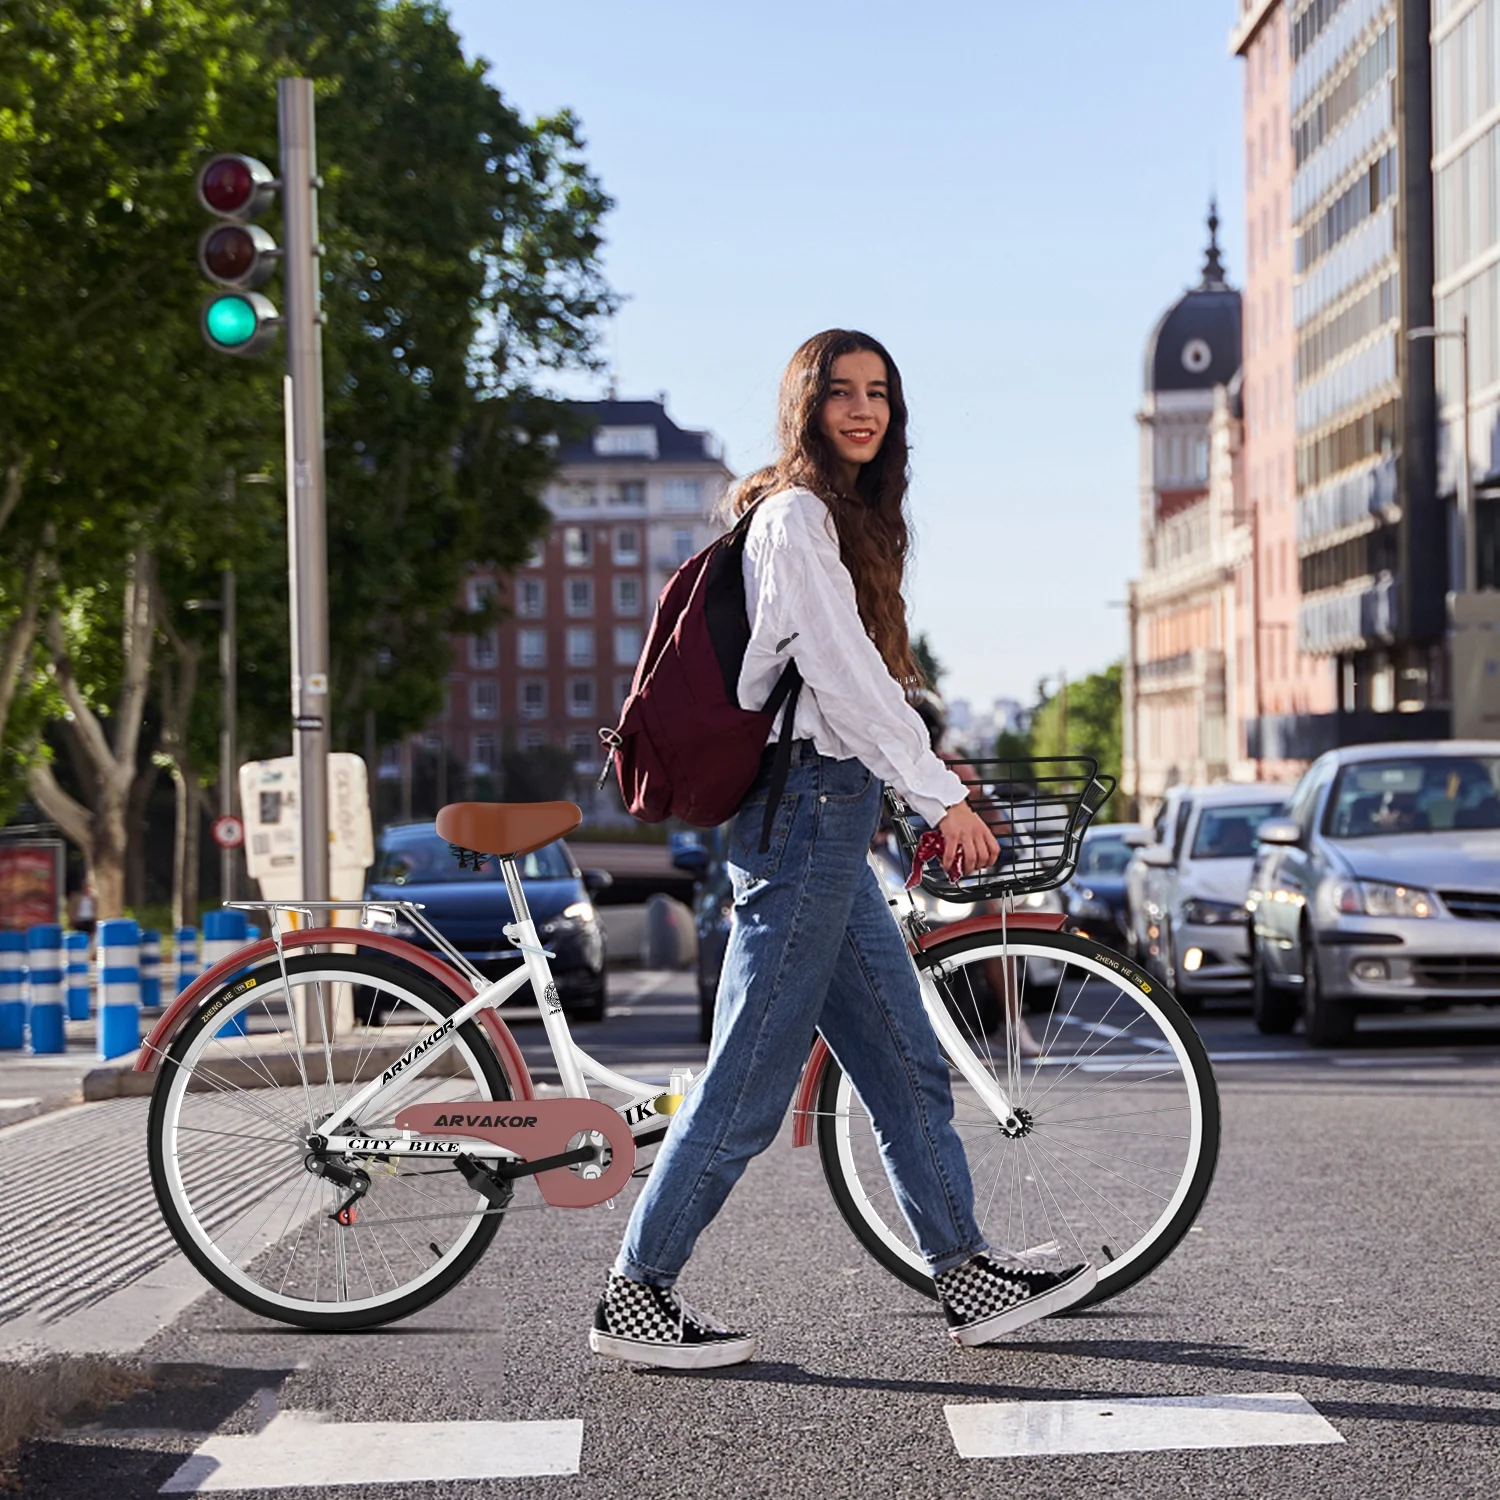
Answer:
[(684, 748)]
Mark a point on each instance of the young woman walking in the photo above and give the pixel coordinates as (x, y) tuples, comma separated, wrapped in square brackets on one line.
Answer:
[(813, 943)]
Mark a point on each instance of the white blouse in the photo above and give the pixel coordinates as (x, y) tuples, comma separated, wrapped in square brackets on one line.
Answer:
[(802, 605)]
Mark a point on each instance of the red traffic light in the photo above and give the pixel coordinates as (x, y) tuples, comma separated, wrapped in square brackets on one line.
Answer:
[(235, 186), (237, 255)]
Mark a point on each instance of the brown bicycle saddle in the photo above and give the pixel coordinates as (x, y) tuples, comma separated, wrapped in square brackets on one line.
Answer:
[(506, 828)]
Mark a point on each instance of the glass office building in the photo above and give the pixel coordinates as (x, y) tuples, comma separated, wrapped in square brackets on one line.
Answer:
[(1371, 529), (1466, 182)]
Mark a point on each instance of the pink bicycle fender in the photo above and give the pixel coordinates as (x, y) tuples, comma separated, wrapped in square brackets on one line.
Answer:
[(172, 1020), (540, 1127)]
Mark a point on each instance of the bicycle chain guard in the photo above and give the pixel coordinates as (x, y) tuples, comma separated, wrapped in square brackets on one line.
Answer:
[(537, 1128)]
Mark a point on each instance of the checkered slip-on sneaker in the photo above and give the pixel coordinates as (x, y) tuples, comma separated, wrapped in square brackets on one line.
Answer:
[(654, 1326), (983, 1298)]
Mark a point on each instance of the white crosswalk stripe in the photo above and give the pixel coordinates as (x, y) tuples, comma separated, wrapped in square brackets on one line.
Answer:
[(1028, 1429), (303, 1449)]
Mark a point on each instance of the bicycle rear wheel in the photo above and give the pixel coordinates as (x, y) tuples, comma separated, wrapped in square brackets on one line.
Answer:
[(1119, 1116), (239, 1092)]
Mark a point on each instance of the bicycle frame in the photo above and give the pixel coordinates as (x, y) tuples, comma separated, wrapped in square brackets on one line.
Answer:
[(575, 1066), (648, 1108)]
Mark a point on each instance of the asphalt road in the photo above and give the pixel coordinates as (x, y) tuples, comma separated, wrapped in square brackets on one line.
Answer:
[(1346, 1253)]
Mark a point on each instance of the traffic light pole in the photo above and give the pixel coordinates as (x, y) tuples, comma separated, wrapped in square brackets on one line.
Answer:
[(307, 528)]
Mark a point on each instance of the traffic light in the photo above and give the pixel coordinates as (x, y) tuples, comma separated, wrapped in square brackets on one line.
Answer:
[(236, 254)]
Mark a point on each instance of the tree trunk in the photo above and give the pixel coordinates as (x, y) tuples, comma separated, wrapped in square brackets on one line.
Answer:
[(15, 646), (185, 846), (102, 832), (136, 828)]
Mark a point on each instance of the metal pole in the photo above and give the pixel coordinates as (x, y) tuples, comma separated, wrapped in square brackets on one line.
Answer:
[(1133, 612), (228, 767), (307, 531), (1466, 489)]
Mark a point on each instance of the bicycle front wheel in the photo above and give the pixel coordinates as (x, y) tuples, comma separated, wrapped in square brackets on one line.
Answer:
[(243, 1086), (1116, 1129)]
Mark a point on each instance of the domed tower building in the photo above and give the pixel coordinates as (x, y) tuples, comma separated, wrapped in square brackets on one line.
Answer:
[(1190, 608)]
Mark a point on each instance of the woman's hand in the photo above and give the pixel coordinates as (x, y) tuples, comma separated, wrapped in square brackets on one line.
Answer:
[(968, 844)]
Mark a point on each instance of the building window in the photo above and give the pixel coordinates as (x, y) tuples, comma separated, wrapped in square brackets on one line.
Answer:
[(622, 692), (627, 596), (627, 547), (484, 649), (584, 748), (580, 645), (484, 698), (538, 554), (531, 648), (533, 697), (580, 597), (627, 645), (534, 739), (481, 594), (580, 697), (578, 546), (681, 494), (390, 763), (625, 442), (682, 544), (482, 759), (531, 598), (629, 492), (580, 494)]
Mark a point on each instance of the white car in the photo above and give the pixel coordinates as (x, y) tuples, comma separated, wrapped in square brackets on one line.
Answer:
[(1193, 888)]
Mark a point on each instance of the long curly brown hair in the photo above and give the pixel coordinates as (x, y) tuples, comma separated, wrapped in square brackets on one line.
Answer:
[(870, 520)]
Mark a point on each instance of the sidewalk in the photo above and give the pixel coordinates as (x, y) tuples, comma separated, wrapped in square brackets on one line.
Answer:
[(32, 1086)]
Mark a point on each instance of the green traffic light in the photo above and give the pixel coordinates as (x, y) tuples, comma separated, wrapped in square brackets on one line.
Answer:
[(231, 321)]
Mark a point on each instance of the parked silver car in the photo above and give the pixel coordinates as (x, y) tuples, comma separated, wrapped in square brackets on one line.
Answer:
[(1193, 888), (1142, 920), (1380, 888)]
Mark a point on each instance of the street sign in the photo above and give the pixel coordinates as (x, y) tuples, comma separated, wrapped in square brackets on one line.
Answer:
[(229, 833)]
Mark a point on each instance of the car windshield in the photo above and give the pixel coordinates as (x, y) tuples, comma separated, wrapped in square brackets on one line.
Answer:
[(1229, 832), (1107, 855), (426, 859), (1414, 794)]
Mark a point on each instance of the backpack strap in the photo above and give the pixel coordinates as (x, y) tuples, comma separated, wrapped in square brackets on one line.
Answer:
[(788, 689)]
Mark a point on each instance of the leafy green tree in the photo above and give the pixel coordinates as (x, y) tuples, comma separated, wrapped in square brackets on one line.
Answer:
[(931, 669), (1090, 710), (461, 267)]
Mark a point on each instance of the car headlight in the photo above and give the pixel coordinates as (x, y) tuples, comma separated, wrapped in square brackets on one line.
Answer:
[(1083, 902), (1375, 898), (1043, 901), (1198, 912), (570, 918)]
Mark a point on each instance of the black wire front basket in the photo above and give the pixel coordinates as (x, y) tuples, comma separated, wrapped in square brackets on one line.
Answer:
[(1037, 809)]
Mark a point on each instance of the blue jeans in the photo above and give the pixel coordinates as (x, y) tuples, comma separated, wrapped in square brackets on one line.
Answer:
[(813, 946)]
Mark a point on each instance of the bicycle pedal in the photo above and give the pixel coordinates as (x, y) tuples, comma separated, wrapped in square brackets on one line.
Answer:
[(496, 1190)]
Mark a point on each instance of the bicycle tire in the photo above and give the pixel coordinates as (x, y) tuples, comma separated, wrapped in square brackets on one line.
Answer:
[(194, 1210), (863, 1196)]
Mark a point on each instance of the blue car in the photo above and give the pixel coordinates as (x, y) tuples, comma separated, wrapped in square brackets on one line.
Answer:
[(471, 909), (1096, 893)]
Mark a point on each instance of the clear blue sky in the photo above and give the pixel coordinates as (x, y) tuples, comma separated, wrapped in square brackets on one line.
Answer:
[(1007, 194)]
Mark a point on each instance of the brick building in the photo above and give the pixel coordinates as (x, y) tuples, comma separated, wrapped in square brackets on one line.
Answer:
[(631, 500)]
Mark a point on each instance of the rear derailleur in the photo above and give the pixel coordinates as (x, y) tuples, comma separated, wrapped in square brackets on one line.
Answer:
[(357, 1182)]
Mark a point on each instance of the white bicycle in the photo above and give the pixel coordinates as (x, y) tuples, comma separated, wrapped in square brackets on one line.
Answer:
[(338, 1177)]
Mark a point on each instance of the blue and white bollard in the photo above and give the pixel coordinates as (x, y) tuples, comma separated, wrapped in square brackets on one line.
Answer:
[(223, 932), (44, 988), (76, 975), (150, 969), (187, 965), (118, 960), (12, 991)]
